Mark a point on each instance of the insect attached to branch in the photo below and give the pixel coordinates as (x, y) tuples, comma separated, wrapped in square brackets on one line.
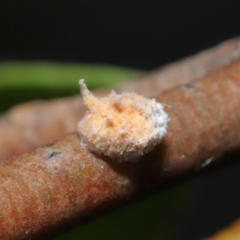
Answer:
[(121, 126)]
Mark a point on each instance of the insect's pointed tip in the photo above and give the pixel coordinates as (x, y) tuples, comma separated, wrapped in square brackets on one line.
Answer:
[(81, 81)]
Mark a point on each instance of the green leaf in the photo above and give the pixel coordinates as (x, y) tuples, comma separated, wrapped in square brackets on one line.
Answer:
[(24, 81)]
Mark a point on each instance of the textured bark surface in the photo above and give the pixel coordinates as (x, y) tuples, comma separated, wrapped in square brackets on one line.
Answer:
[(34, 124), (49, 187)]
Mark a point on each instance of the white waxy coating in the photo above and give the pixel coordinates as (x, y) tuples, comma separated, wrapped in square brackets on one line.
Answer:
[(121, 126)]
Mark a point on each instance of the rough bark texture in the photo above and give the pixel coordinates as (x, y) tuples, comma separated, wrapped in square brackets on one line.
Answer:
[(53, 185), (34, 124)]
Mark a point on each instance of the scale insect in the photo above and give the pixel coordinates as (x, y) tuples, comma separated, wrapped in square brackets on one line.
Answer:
[(121, 126)]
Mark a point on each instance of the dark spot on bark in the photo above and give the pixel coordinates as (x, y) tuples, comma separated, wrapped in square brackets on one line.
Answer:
[(190, 87), (49, 145), (53, 154)]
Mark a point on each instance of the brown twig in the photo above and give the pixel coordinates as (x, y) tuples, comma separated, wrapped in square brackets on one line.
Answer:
[(34, 124), (47, 188), (231, 232)]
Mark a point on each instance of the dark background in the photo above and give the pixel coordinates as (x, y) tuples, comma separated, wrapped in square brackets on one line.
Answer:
[(141, 34), (138, 34)]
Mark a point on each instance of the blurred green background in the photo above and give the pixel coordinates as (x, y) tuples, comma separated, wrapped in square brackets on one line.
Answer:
[(156, 217), (24, 81)]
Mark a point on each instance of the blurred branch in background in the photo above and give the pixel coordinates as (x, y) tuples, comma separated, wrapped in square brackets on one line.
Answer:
[(231, 232)]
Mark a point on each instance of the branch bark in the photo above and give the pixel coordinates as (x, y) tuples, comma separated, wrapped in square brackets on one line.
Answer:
[(33, 124), (55, 185)]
